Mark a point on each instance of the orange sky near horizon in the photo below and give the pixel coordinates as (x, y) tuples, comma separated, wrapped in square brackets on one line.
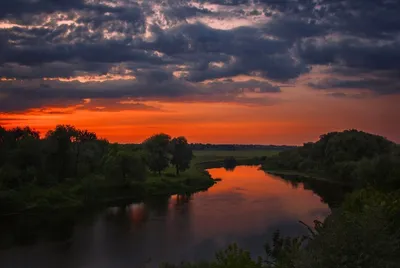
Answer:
[(247, 72), (297, 116)]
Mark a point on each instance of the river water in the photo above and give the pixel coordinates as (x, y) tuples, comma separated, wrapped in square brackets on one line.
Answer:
[(246, 207)]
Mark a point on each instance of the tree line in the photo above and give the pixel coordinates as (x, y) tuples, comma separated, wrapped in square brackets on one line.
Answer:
[(352, 156), (71, 157), (238, 147)]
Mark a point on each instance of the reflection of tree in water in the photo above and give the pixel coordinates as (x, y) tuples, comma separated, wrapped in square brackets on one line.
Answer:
[(182, 200), (230, 163), (127, 215), (28, 229), (182, 204), (330, 193), (158, 204), (138, 214)]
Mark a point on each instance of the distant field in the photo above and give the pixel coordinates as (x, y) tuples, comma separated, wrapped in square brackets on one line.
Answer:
[(211, 155)]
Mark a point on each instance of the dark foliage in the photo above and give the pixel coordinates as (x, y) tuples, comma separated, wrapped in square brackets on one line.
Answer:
[(350, 156), (69, 167), (230, 163), (181, 154), (157, 153)]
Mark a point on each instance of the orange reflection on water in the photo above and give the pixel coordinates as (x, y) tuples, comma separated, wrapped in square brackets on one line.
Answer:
[(137, 213), (249, 201)]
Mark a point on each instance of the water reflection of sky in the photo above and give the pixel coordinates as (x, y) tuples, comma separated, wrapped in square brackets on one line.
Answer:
[(247, 206)]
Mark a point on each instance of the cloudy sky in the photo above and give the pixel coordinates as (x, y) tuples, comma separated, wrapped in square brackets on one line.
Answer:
[(226, 71)]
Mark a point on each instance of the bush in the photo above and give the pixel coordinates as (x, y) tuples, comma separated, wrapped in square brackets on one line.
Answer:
[(363, 233), (232, 257), (230, 163)]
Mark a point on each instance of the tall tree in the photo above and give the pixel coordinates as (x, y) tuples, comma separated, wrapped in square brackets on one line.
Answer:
[(60, 145), (157, 157), (181, 154), (82, 137)]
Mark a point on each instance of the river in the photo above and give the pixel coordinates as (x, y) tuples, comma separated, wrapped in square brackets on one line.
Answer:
[(246, 207)]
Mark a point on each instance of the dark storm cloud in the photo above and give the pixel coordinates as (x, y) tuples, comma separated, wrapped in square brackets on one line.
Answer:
[(377, 85), (130, 20), (293, 28), (353, 53), (150, 85), (354, 58), (153, 39), (348, 95), (225, 2), (16, 8), (245, 86), (106, 52), (364, 18), (23, 9), (184, 12), (245, 47)]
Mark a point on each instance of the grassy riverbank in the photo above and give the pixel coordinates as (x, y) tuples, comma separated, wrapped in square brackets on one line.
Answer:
[(68, 167), (293, 174), (96, 190), (215, 158)]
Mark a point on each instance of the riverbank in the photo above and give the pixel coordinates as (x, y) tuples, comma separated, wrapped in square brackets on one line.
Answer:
[(207, 159), (96, 190), (293, 174)]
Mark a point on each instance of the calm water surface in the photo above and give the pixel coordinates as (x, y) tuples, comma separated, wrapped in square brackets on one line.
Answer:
[(246, 207)]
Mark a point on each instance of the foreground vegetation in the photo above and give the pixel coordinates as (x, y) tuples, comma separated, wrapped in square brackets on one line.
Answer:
[(69, 167), (363, 233), (363, 230)]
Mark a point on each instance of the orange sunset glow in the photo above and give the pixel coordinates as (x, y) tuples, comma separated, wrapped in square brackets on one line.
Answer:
[(237, 73), (288, 122)]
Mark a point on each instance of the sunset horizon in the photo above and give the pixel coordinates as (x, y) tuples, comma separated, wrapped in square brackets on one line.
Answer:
[(199, 133), (214, 71)]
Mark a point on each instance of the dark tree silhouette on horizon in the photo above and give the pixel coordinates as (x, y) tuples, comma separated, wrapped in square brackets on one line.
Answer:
[(181, 154)]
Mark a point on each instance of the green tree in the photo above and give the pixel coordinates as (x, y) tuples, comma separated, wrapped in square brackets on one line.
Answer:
[(59, 146), (157, 156), (181, 154), (82, 137), (125, 166), (20, 150)]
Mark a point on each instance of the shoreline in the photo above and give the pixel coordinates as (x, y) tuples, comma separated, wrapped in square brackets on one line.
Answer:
[(303, 175)]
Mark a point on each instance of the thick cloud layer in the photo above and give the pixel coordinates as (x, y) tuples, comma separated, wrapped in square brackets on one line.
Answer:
[(189, 50)]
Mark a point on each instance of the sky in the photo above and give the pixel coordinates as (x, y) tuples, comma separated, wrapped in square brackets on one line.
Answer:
[(218, 71)]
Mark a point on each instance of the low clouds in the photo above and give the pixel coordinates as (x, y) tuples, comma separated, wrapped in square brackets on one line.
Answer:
[(155, 85), (379, 86), (170, 55)]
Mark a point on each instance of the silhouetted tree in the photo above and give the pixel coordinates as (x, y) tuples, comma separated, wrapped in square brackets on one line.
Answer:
[(60, 147), (157, 157), (125, 166), (82, 137), (230, 163), (181, 154)]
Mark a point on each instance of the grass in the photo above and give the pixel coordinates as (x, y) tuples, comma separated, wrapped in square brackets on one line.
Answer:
[(196, 178), (215, 158), (216, 154), (289, 174), (189, 181)]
